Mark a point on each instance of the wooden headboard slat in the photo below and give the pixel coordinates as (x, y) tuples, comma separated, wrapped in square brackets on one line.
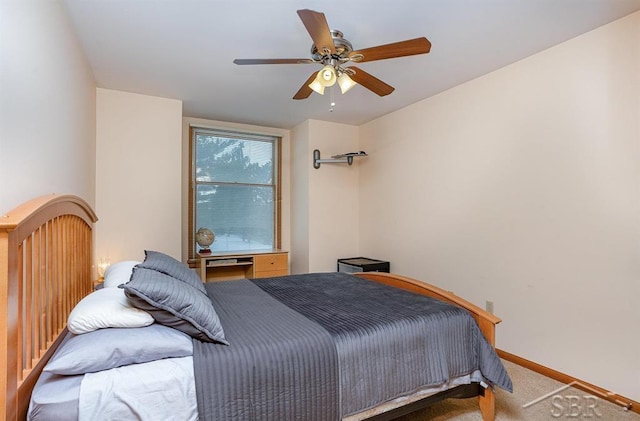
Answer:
[(45, 269)]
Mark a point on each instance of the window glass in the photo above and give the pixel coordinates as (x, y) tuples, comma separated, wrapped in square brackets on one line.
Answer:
[(221, 159)]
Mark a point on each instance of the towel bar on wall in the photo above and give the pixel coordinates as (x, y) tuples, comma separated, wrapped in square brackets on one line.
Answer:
[(345, 158)]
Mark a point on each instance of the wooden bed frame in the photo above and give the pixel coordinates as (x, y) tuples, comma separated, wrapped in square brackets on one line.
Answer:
[(486, 321), (46, 268)]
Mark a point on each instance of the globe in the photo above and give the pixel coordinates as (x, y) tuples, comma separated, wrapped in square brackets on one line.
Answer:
[(205, 237)]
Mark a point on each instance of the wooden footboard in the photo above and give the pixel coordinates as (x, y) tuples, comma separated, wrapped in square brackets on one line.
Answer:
[(45, 269), (486, 321)]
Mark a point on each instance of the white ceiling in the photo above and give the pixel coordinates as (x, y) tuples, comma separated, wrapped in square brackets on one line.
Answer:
[(184, 49)]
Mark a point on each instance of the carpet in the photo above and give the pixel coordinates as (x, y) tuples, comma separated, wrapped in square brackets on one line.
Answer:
[(528, 386)]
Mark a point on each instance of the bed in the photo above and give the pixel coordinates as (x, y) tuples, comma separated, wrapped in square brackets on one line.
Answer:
[(45, 247)]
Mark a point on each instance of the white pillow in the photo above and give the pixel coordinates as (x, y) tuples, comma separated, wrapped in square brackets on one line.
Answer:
[(107, 307), (118, 273)]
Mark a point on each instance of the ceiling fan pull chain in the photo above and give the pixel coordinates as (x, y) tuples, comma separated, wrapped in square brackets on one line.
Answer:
[(332, 99)]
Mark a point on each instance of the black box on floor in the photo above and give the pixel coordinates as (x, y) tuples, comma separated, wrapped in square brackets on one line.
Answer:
[(362, 264)]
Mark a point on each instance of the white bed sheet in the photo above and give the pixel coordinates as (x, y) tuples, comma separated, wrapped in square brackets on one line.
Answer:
[(157, 390), (135, 391)]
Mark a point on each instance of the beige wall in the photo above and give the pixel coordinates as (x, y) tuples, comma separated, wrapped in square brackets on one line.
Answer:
[(47, 106), (285, 181), (326, 199), (522, 187), (300, 198), (138, 170)]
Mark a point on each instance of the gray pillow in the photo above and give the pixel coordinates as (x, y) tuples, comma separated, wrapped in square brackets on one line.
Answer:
[(166, 264), (104, 349), (174, 303)]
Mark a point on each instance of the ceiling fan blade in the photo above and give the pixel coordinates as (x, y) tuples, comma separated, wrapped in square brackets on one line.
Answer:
[(305, 90), (370, 82), (397, 49), (243, 61), (317, 26)]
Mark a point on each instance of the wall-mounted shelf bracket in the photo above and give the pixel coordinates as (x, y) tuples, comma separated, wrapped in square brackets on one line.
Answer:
[(345, 158)]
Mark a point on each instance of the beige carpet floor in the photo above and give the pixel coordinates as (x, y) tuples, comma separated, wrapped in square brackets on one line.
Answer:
[(527, 387)]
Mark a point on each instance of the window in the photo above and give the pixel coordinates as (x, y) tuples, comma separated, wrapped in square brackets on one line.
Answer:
[(234, 190)]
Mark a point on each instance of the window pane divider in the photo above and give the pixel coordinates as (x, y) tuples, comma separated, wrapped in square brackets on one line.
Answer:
[(232, 183)]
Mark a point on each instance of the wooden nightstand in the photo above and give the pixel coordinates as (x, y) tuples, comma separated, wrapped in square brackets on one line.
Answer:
[(243, 265)]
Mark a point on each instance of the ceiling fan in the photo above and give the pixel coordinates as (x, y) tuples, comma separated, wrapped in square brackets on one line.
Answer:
[(333, 51)]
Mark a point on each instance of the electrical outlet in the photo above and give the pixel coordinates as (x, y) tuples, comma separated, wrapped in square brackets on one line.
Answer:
[(489, 306)]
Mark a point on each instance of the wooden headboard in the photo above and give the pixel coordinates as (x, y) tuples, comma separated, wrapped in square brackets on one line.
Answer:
[(45, 269)]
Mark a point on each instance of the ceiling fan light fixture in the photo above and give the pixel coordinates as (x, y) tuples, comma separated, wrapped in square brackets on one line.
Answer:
[(317, 86), (327, 76), (345, 83)]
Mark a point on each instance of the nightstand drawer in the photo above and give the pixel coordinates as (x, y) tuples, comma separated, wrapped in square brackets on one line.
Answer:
[(273, 264)]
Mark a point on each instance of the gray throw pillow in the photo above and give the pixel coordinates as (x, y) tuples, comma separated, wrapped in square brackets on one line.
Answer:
[(169, 266), (174, 303)]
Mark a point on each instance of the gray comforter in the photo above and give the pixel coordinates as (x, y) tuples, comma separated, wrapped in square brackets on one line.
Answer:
[(366, 343), (279, 366)]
